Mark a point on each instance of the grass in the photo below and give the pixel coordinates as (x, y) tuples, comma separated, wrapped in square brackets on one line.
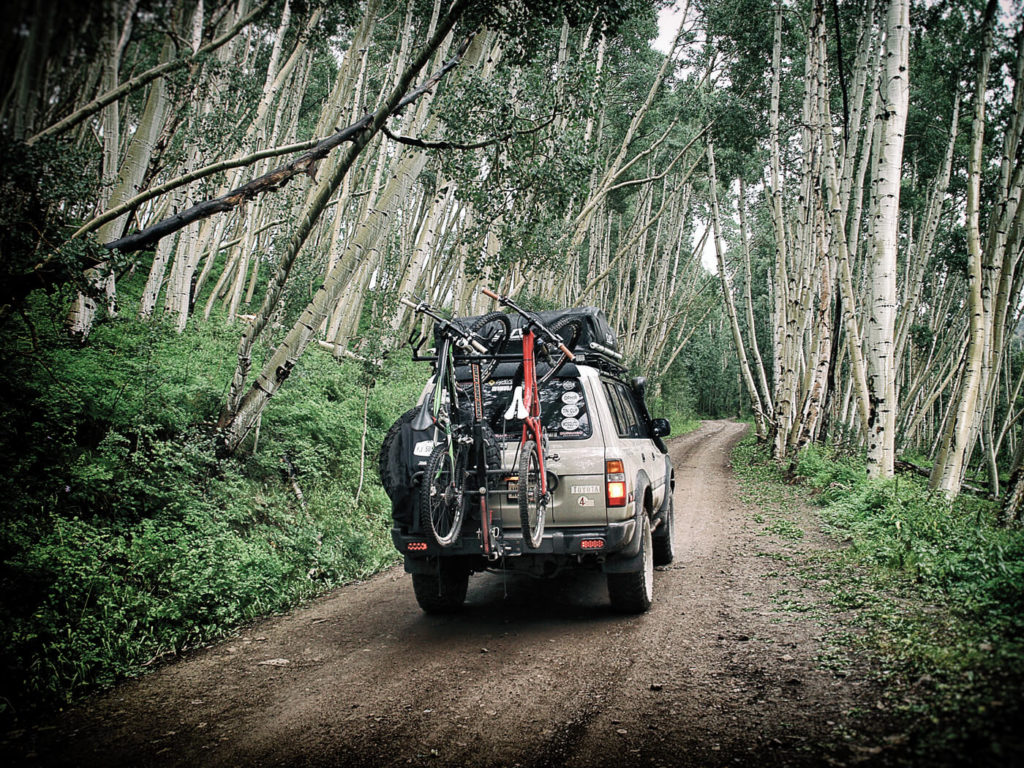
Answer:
[(926, 593), (125, 537)]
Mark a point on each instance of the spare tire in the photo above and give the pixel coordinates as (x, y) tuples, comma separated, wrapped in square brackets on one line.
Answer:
[(384, 458)]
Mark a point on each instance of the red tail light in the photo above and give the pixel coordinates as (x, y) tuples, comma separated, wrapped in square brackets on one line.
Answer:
[(417, 546), (615, 483)]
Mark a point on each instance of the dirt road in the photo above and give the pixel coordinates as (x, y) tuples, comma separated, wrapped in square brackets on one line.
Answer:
[(531, 674)]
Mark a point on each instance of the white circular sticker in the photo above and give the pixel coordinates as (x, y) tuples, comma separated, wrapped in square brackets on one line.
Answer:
[(570, 410), (570, 398), (568, 384), (570, 425)]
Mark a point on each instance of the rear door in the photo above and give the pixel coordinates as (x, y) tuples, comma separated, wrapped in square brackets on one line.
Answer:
[(634, 437), (575, 462)]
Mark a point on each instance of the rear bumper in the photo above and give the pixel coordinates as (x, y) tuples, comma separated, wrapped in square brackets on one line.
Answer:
[(598, 540)]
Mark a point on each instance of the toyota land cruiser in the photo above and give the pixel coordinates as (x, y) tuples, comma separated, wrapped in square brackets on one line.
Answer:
[(611, 499)]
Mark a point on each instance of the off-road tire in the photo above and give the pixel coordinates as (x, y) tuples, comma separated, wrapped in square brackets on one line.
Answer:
[(664, 546), (532, 507), (496, 328), (443, 494), (442, 592), (634, 592), (383, 464), (568, 329)]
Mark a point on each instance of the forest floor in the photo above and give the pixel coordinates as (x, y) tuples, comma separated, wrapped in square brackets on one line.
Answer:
[(722, 671)]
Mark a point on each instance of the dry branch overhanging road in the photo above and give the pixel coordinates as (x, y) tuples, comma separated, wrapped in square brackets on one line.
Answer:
[(533, 673)]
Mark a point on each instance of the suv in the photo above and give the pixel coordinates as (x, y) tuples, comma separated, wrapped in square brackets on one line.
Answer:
[(611, 486)]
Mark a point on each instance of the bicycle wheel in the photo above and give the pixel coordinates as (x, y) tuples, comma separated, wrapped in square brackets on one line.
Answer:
[(443, 492), (532, 504), (494, 328), (568, 329)]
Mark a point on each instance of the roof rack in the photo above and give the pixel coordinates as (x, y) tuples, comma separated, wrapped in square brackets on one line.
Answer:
[(600, 361)]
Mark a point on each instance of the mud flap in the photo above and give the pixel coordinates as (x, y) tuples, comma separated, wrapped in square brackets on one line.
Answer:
[(630, 559)]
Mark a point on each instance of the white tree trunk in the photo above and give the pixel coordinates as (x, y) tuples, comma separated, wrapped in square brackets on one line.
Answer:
[(881, 321)]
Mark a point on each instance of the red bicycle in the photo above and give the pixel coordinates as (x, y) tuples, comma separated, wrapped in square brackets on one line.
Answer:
[(553, 347)]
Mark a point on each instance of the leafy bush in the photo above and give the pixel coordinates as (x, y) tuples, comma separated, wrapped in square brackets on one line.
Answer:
[(126, 539)]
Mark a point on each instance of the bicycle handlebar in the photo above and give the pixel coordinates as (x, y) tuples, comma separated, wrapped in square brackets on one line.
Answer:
[(531, 317), (447, 325)]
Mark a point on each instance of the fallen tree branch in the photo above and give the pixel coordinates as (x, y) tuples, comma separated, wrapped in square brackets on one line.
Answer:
[(275, 179), (180, 181), (424, 144)]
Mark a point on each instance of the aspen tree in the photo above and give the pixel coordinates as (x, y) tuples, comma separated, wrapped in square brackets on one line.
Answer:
[(881, 321), (243, 409), (951, 461), (760, 420)]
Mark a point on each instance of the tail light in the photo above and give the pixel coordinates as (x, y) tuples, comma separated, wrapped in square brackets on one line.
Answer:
[(615, 483)]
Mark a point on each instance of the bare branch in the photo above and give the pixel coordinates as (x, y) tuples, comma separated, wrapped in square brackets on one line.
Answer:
[(180, 181), (424, 144), (275, 179)]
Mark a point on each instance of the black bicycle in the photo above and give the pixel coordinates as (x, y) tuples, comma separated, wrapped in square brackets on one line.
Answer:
[(456, 470)]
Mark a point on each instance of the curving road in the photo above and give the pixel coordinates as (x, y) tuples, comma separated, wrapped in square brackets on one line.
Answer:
[(531, 674)]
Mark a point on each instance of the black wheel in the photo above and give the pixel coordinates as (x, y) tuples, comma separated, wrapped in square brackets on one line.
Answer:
[(532, 504), (383, 458), (568, 329), (441, 592), (494, 329), (443, 492), (664, 546), (633, 592)]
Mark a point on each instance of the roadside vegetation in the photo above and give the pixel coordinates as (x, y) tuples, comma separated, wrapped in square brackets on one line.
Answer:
[(128, 539), (929, 593)]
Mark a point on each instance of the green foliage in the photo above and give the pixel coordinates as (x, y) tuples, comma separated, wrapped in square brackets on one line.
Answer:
[(930, 592), (43, 187), (125, 539)]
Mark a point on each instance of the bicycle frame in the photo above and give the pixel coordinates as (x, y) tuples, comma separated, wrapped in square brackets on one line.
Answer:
[(531, 400), (533, 442), (455, 428)]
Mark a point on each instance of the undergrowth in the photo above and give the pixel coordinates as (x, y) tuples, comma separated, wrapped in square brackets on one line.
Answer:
[(936, 593), (125, 539)]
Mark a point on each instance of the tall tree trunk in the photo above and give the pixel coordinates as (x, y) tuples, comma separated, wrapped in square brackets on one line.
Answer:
[(881, 321), (760, 421), (242, 411), (951, 461)]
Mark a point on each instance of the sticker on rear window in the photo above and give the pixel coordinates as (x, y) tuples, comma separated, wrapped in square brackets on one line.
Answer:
[(570, 425), (571, 398), (570, 410)]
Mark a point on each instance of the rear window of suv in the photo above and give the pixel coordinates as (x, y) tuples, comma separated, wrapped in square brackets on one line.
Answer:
[(564, 409)]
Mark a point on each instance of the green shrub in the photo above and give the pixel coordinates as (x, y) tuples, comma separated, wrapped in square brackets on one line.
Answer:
[(953, 551), (126, 539)]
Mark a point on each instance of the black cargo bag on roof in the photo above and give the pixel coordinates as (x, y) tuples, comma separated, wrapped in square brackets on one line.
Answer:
[(597, 339)]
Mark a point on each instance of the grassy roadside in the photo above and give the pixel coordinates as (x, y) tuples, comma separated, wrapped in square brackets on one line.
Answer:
[(930, 595), (126, 540)]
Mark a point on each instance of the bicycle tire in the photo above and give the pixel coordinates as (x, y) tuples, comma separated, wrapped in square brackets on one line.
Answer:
[(532, 506), (495, 328), (443, 492), (568, 329)]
